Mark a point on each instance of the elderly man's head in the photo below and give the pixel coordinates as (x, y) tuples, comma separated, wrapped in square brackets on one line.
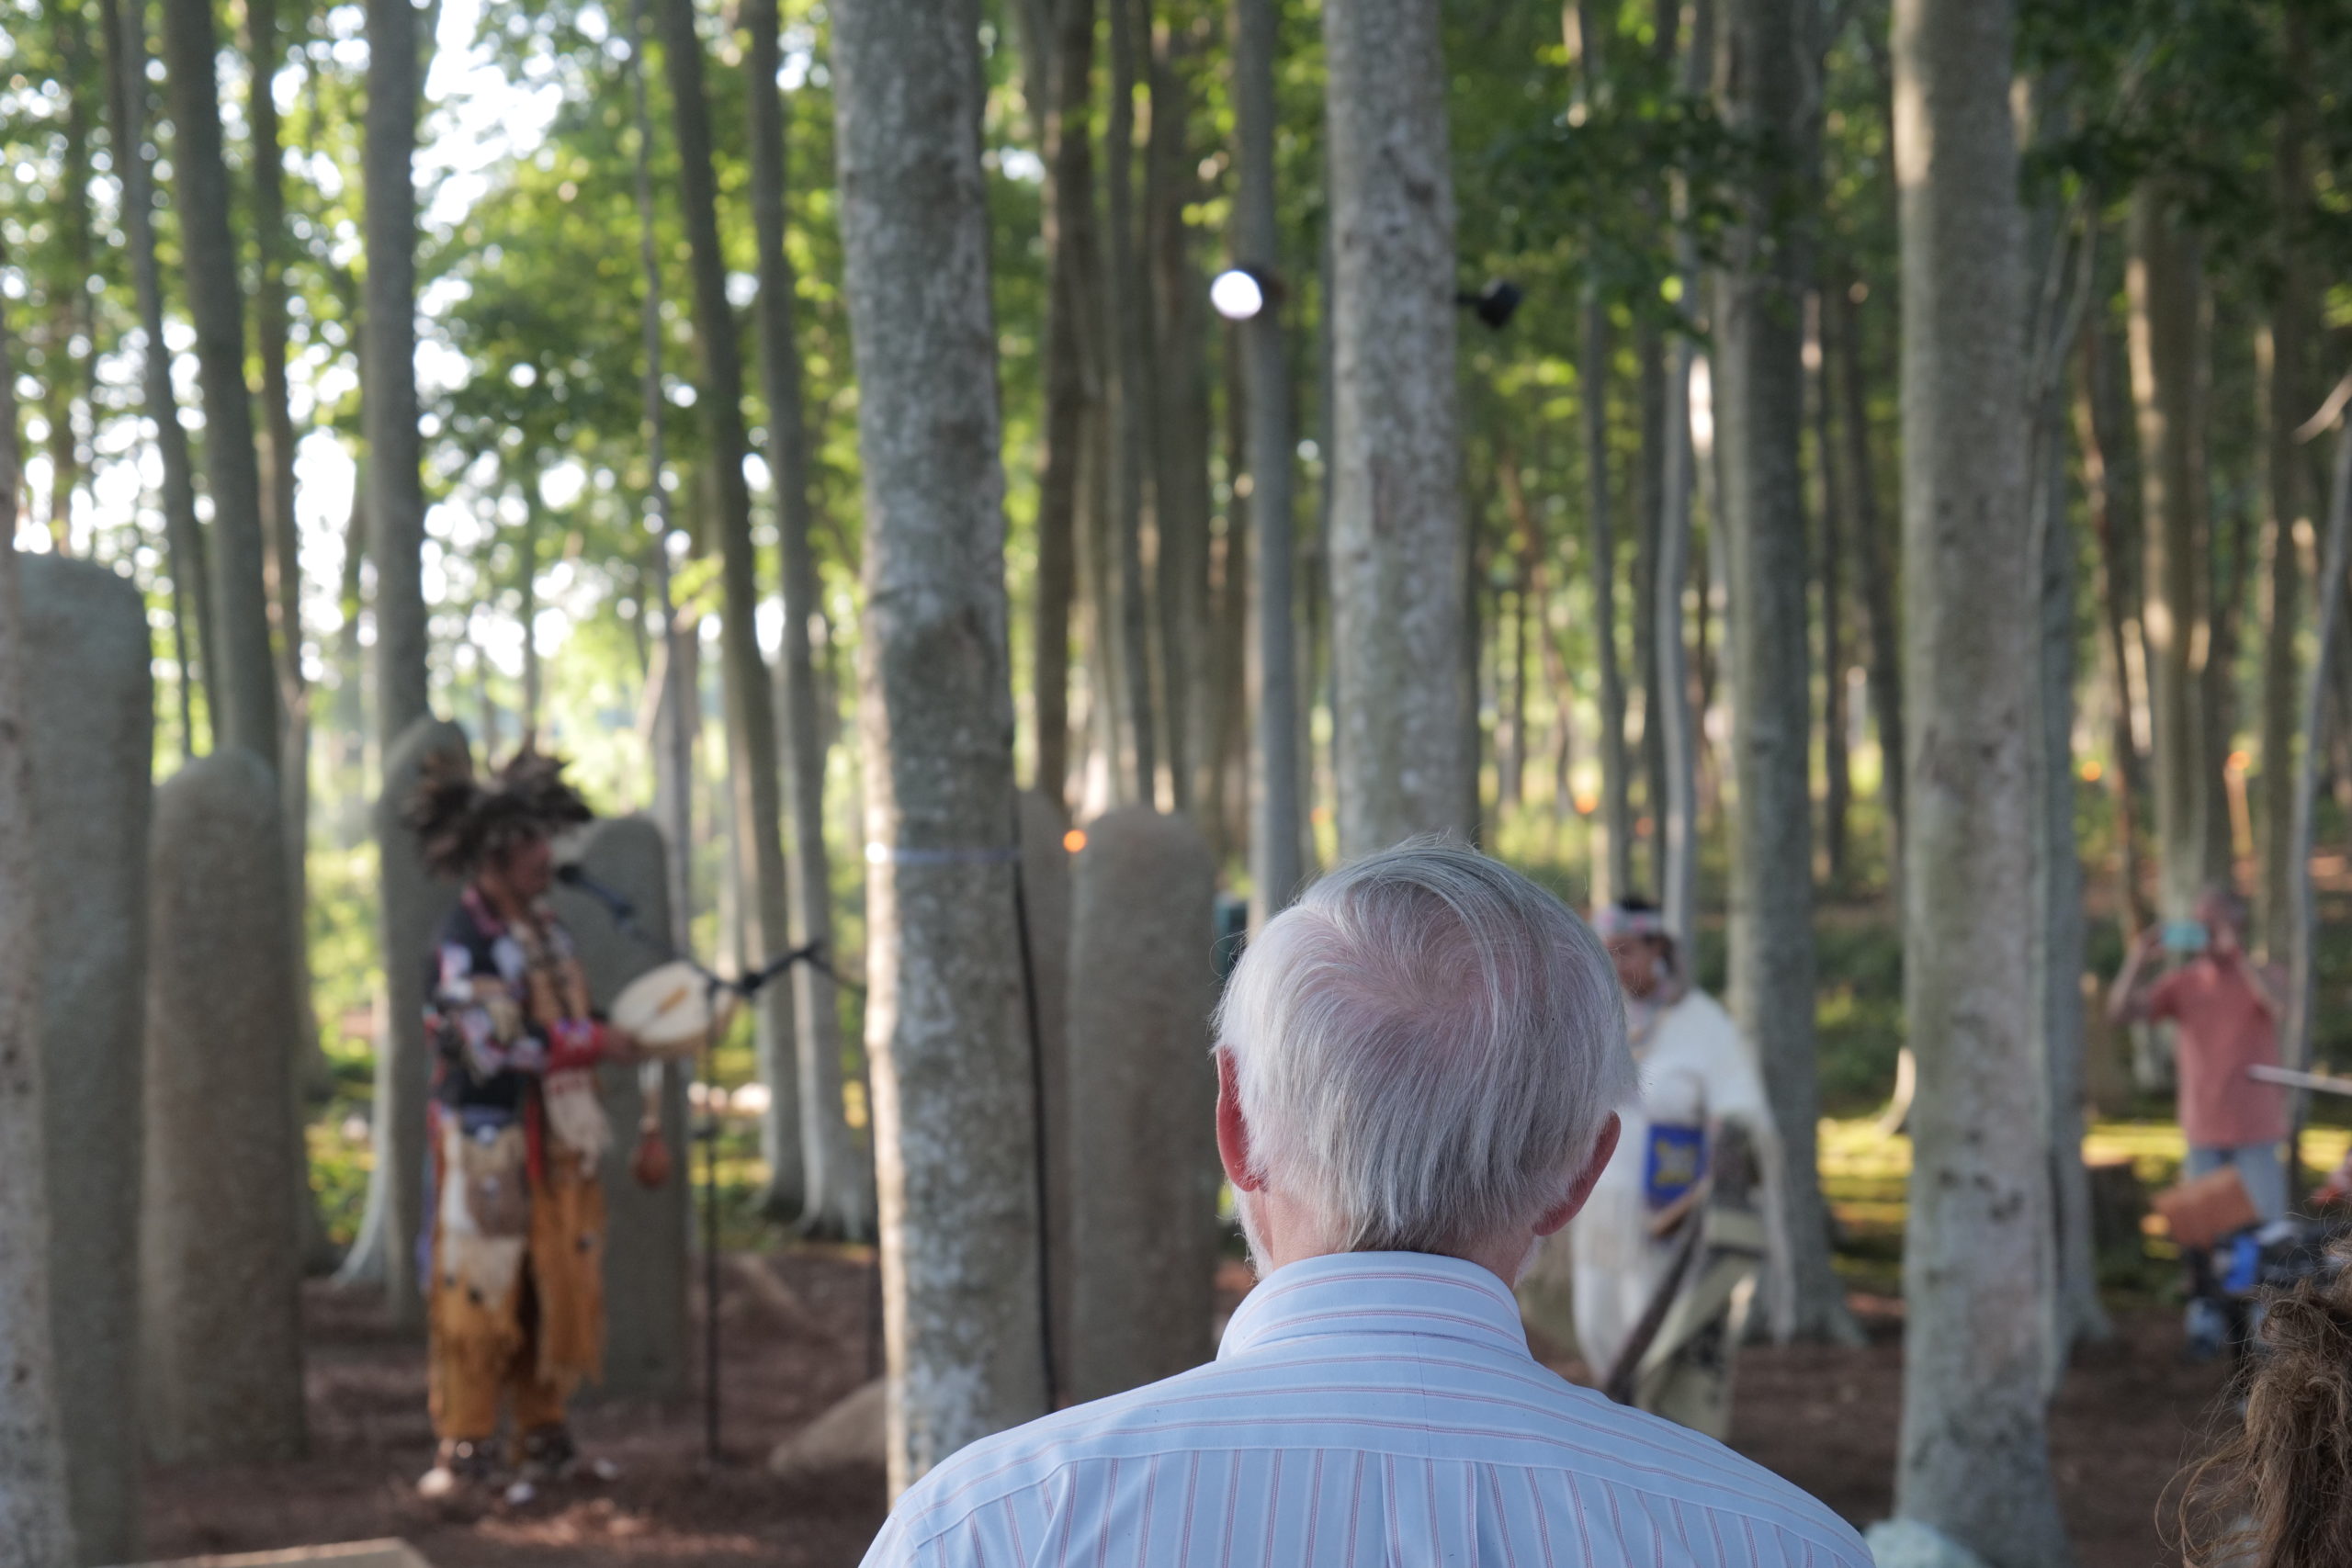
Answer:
[(1424, 1053)]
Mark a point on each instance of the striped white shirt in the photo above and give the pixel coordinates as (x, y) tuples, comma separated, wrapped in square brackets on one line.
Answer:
[(1365, 1409)]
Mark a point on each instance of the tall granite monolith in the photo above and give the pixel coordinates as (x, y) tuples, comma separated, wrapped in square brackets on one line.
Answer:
[(415, 904), (220, 1254), (645, 1252), (1044, 898), (90, 707), (1142, 1101)]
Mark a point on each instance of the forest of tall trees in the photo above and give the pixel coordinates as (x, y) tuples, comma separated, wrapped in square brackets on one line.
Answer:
[(1860, 474)]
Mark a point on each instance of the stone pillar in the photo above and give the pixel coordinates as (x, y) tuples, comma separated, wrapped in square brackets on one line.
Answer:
[(90, 708), (645, 1254), (414, 904), (221, 1256), (1044, 893), (1142, 1093)]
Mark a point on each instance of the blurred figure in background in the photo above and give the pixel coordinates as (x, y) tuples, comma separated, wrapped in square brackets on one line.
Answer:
[(2225, 1008), (514, 1242), (1666, 1262)]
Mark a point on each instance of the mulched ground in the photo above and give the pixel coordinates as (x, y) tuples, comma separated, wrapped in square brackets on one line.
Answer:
[(801, 1337)]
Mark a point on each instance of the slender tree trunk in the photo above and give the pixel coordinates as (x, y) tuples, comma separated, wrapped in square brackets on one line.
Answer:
[(2281, 362), (1612, 861), (1234, 627), (2163, 282), (1277, 831), (396, 548), (1838, 788), (281, 562), (245, 688), (677, 708), (1978, 1268), (1399, 544), (2282, 355), (74, 313), (1842, 356), (1065, 49), (126, 38), (2302, 997), (962, 1313), (1181, 499), (264, 48), (1650, 357), (2229, 554), (751, 701), (1678, 812), (836, 1171), (2102, 491), (1124, 294), (1770, 83), (34, 1520), (2068, 271), (526, 588), (1511, 696)]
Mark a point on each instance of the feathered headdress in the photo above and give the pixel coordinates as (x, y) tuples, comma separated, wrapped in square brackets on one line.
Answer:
[(462, 822)]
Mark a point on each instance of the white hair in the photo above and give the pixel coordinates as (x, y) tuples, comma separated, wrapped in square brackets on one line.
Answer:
[(1425, 1045)]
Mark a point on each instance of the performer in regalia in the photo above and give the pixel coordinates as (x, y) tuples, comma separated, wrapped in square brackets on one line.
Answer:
[(514, 1240), (1645, 1283)]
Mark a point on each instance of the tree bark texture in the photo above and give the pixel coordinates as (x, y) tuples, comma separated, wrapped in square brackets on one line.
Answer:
[(264, 48), (1769, 85), (73, 308), (1125, 296), (1073, 377), (1652, 356), (2103, 492), (1612, 861), (835, 1171), (2227, 552), (2295, 1031), (1181, 430), (1399, 544), (2283, 357), (676, 718), (1671, 708), (34, 1517), (1837, 784), (752, 774), (192, 616), (2283, 363), (1277, 861), (963, 1316), (395, 508), (245, 687), (1842, 362), (1978, 1266), (2163, 276)]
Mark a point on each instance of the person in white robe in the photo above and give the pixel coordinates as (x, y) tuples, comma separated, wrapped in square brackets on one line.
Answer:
[(1638, 1267)]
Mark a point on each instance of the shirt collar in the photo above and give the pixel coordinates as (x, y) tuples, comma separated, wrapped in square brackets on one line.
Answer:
[(1376, 1292)]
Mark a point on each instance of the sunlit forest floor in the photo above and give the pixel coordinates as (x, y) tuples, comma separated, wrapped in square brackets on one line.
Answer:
[(2130, 1415)]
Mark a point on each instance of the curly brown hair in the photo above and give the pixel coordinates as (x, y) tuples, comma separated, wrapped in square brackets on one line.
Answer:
[(462, 823), (2278, 1492)]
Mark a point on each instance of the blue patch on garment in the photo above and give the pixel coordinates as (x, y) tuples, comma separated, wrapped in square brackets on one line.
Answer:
[(2244, 1264), (1675, 1160)]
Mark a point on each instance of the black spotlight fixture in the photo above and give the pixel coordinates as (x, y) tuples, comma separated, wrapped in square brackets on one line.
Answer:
[(1493, 304)]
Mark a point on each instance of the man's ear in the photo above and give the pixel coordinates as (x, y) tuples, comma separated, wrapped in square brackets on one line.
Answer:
[(1232, 1131), (1580, 1189)]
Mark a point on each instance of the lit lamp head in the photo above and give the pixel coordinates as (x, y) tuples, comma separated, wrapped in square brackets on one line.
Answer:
[(1237, 294)]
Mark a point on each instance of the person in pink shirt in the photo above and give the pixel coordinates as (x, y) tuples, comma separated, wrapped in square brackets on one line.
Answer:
[(2225, 1008)]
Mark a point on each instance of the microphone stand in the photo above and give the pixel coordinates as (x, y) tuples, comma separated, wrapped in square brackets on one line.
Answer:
[(746, 986)]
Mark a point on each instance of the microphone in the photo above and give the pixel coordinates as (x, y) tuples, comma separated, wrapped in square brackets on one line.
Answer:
[(615, 904)]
